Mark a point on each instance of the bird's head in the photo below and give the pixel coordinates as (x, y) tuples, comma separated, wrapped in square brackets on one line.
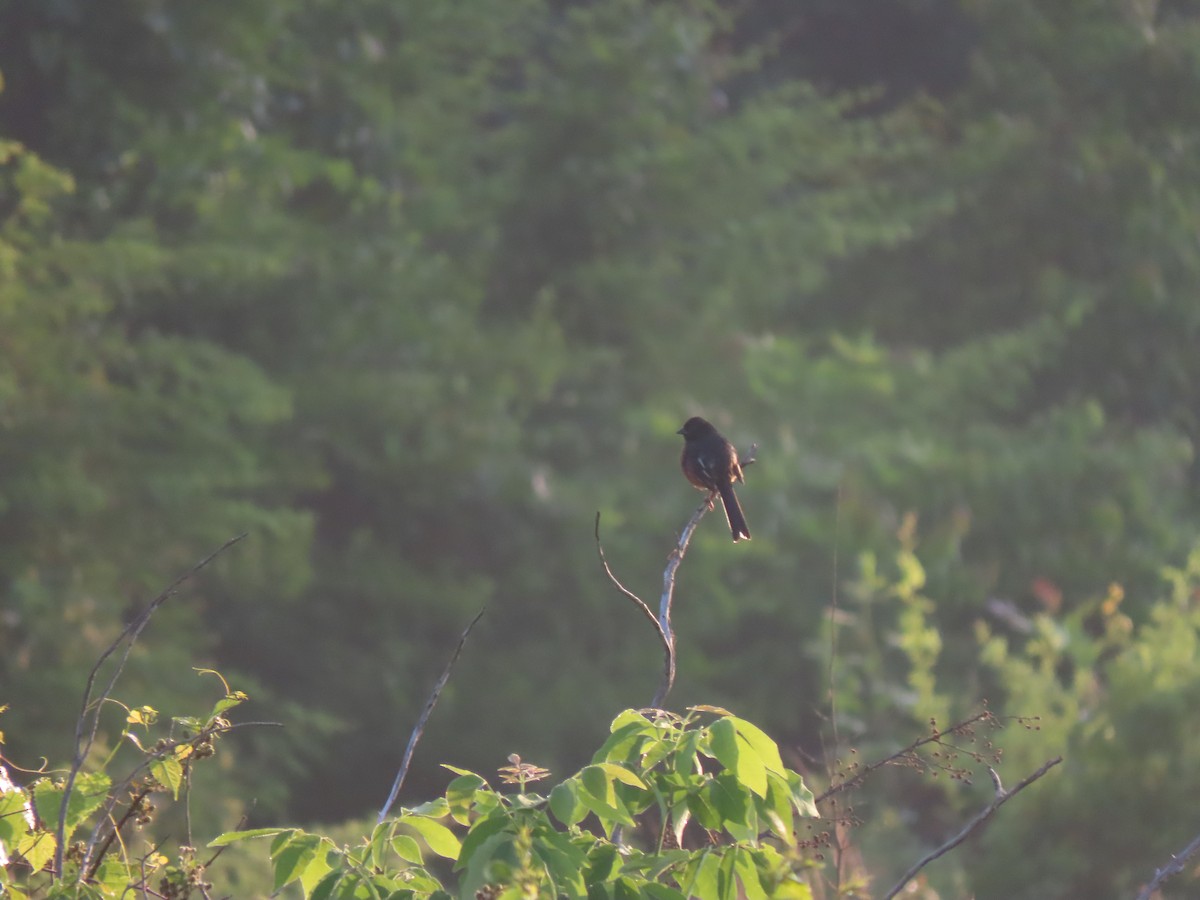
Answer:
[(694, 428)]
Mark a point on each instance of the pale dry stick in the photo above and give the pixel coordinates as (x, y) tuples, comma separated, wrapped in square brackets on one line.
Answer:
[(662, 622), (419, 728), (668, 597), (1002, 796), (1174, 867), (128, 636), (641, 604)]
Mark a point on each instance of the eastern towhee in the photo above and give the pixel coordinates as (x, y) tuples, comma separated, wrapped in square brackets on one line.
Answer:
[(711, 464)]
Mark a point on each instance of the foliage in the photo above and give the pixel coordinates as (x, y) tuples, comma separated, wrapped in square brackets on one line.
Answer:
[(1112, 693), (102, 813), (726, 780)]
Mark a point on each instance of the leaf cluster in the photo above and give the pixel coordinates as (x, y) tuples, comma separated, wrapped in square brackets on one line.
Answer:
[(620, 828), (97, 816)]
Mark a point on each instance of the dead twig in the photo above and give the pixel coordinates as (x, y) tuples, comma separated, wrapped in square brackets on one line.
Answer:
[(641, 604), (1002, 796), (662, 622), (668, 598), (1174, 867), (419, 728), (128, 637)]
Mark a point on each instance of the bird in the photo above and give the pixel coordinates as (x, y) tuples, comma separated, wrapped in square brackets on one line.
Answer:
[(710, 463)]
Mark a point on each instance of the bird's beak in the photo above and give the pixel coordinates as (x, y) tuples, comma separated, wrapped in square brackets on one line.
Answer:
[(680, 431)]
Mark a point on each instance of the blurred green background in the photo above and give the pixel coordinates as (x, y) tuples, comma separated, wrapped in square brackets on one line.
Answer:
[(409, 291)]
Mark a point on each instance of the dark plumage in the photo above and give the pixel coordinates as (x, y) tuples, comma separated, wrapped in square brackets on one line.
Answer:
[(711, 464)]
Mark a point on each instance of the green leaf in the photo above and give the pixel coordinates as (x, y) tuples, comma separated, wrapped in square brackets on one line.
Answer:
[(723, 743), (323, 889), (436, 808), (407, 849), (282, 839), (792, 889), (597, 794), (90, 791), (603, 863), (684, 758), (481, 830), (419, 881), (629, 731), (765, 748), (680, 816), (776, 808), (457, 771), (750, 769), (114, 876), (379, 843), (703, 877), (460, 796), (233, 837), (226, 703), (441, 840), (629, 717), (662, 892), (490, 861), (565, 803), (747, 872), (293, 858), (727, 877), (320, 866), (738, 755), (622, 774), (12, 817), (734, 805), (168, 772), (349, 884), (655, 751), (625, 888), (563, 860), (706, 708), (37, 848), (701, 807), (802, 797)]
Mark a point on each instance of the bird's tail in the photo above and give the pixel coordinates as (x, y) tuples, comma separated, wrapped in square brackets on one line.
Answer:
[(733, 513)]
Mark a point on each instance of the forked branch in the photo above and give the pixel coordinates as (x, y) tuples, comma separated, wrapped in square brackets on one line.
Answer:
[(1001, 797), (662, 622)]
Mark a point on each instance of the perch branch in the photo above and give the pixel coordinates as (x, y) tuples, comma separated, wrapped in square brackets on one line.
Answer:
[(129, 636), (662, 622), (419, 728), (1174, 867), (1002, 796), (641, 604), (668, 597)]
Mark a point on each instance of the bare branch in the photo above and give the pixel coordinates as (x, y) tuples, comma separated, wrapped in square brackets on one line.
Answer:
[(641, 604), (1174, 867), (128, 637), (1002, 796), (662, 622), (936, 737), (419, 728), (668, 597)]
